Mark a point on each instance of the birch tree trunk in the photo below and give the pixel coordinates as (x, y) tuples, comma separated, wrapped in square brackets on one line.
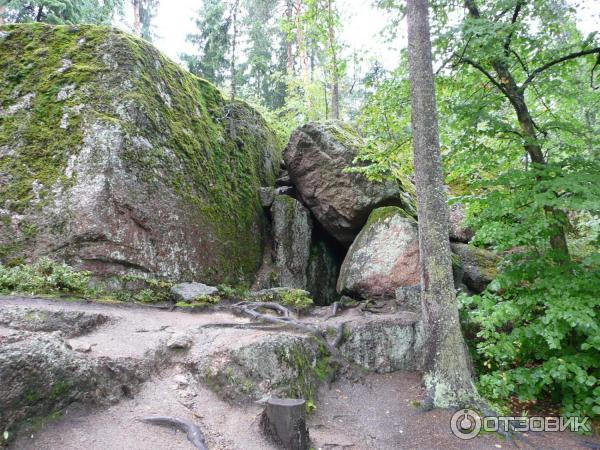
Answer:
[(446, 370), (335, 90), (289, 51), (302, 53), (137, 29)]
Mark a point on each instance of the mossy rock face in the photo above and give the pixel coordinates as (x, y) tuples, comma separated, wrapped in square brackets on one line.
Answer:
[(280, 365), (117, 161)]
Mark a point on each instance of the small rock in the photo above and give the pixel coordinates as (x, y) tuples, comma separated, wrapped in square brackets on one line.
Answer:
[(458, 232), (279, 295), (267, 195), (283, 180), (66, 64), (80, 347), (179, 341), (187, 292), (480, 266)]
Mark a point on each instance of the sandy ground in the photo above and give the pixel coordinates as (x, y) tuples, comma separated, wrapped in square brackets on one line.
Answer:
[(377, 413)]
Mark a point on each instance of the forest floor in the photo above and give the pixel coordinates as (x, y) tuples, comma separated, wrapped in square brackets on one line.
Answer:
[(376, 413)]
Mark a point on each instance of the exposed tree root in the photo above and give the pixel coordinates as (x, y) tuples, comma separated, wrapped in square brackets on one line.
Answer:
[(244, 326), (339, 336), (335, 307), (194, 434), (512, 434), (284, 318)]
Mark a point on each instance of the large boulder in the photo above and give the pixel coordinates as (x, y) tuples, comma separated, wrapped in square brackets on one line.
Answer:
[(384, 256), (317, 157), (292, 233), (300, 257), (479, 265), (116, 160)]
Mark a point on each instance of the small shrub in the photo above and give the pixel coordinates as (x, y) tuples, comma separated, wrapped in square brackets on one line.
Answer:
[(44, 277), (232, 293), (296, 298)]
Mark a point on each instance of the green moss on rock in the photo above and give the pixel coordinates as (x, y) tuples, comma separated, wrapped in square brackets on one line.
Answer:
[(98, 97), (380, 214)]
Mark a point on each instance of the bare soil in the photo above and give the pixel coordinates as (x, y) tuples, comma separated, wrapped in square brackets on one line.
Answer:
[(376, 413)]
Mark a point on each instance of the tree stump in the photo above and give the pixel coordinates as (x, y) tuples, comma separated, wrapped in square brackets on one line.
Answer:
[(284, 420)]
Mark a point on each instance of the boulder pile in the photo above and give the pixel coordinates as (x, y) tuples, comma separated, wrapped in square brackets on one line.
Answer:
[(336, 232)]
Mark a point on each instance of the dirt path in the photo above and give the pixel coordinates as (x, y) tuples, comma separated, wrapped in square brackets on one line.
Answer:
[(374, 414)]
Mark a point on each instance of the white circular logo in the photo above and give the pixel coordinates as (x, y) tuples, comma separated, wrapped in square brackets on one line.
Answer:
[(465, 424)]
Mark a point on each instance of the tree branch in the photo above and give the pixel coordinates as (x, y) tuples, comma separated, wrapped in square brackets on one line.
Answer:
[(592, 73), (486, 73), (512, 22), (523, 65), (539, 70)]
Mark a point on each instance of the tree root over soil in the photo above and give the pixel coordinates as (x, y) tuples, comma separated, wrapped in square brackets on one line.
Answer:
[(194, 434), (250, 309)]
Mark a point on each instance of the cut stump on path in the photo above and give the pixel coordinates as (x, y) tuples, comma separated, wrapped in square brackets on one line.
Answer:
[(284, 421)]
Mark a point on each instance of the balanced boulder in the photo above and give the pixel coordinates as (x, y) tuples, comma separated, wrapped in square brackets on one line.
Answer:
[(384, 256), (317, 158), (118, 161)]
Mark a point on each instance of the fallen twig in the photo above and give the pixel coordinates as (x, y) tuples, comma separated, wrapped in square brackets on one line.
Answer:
[(194, 434)]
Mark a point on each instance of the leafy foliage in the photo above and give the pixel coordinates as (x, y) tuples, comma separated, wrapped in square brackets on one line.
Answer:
[(43, 277), (538, 333), (385, 120)]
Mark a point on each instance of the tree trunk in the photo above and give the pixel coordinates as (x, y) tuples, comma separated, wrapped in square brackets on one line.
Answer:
[(302, 54), (335, 93), (290, 53), (516, 96), (234, 12), (446, 367), (2, 10), (137, 28), (40, 14)]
